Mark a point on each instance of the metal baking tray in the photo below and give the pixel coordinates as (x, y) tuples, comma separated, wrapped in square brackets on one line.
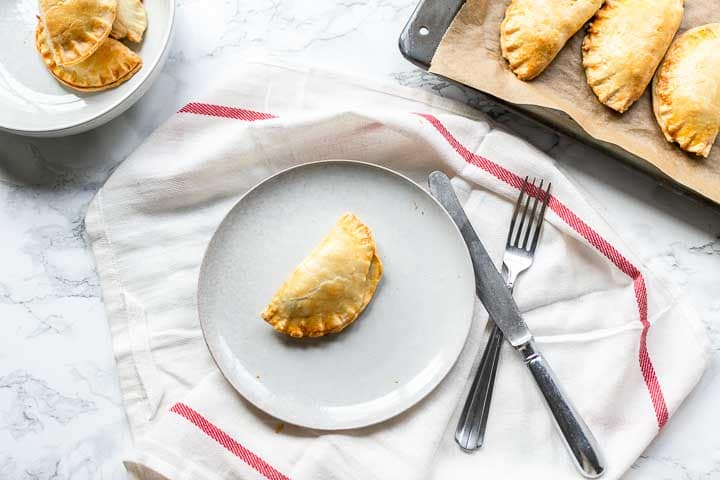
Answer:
[(421, 37)]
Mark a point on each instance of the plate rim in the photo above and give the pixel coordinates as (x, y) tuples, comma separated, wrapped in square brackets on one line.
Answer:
[(365, 421), (115, 109)]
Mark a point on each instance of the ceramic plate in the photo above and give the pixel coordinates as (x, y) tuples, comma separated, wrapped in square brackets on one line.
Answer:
[(33, 103), (400, 347)]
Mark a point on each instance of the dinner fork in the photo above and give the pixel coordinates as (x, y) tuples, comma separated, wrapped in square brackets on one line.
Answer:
[(518, 257)]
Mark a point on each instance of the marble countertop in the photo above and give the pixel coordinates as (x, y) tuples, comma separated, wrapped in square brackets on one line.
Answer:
[(61, 415)]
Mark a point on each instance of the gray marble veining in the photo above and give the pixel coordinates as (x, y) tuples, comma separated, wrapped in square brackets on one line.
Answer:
[(32, 403), (61, 415)]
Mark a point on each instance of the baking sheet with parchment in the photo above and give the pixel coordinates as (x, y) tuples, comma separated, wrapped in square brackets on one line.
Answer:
[(470, 53)]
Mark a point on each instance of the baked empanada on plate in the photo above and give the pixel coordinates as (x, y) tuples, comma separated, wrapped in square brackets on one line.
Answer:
[(130, 21), (686, 90), (625, 43), (534, 31), (331, 286), (76, 28), (111, 64)]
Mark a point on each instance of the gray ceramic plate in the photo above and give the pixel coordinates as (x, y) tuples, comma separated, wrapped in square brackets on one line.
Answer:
[(395, 353)]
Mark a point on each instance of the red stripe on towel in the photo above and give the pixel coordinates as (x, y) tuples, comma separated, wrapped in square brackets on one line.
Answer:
[(602, 245), (225, 112), (230, 444)]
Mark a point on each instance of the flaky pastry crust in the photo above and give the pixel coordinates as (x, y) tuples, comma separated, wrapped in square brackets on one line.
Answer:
[(331, 286), (686, 90), (130, 21), (624, 45), (111, 65), (76, 28), (534, 31)]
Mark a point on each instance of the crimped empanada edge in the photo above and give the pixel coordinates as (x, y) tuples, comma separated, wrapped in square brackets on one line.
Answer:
[(273, 315), (100, 35), (592, 66), (662, 97), (55, 69), (129, 34), (514, 51), (617, 100)]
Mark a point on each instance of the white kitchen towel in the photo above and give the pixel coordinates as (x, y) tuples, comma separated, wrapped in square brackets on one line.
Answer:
[(624, 343)]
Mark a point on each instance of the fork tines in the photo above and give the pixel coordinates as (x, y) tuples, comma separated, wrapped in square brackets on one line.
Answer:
[(528, 192)]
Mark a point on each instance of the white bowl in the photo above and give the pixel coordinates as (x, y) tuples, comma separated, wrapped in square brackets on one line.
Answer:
[(33, 103)]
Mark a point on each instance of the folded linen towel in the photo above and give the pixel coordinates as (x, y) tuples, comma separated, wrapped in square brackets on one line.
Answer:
[(626, 348)]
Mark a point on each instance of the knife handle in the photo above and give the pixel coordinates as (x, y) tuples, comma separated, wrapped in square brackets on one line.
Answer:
[(578, 438)]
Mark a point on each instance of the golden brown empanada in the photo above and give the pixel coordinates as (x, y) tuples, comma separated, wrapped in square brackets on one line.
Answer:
[(111, 64), (331, 286), (686, 90), (534, 31), (130, 21), (76, 28), (624, 45)]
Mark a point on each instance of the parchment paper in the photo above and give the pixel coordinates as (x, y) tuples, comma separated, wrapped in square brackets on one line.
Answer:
[(470, 53)]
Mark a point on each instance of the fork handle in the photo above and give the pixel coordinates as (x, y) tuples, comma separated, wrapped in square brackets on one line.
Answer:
[(489, 362), (470, 432), (578, 438)]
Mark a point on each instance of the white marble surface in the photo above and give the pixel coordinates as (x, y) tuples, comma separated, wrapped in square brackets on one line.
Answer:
[(60, 411)]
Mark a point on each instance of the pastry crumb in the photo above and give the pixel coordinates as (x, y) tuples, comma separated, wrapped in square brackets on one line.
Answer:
[(280, 427)]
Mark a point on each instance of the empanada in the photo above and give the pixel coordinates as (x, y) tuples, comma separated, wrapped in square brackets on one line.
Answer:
[(130, 21), (686, 90), (76, 28), (111, 64), (624, 45), (534, 31), (331, 286)]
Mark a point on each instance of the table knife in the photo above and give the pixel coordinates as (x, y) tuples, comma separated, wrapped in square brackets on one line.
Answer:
[(501, 306)]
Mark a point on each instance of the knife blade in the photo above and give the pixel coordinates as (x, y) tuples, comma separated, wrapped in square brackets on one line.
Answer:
[(489, 284), (501, 306)]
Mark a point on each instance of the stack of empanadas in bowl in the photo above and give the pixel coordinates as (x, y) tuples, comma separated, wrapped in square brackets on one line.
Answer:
[(78, 41), (622, 49)]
